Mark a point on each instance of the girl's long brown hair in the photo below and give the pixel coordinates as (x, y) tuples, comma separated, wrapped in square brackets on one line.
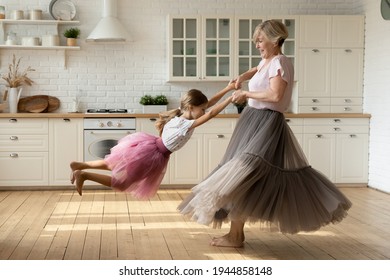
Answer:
[(193, 97)]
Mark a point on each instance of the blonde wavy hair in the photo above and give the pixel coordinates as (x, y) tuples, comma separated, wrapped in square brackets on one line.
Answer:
[(273, 30), (193, 97)]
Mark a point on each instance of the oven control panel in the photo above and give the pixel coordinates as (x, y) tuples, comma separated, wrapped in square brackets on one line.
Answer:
[(110, 123)]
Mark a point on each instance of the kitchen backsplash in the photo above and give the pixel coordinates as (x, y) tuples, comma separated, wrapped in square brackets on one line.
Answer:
[(116, 75)]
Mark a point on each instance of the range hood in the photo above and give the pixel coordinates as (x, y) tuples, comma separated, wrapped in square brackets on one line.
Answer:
[(109, 28)]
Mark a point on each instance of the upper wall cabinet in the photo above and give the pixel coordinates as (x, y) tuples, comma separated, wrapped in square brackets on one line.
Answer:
[(200, 48), (323, 31), (217, 48)]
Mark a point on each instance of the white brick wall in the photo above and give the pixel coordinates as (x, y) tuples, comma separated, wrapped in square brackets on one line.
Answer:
[(116, 75), (377, 93)]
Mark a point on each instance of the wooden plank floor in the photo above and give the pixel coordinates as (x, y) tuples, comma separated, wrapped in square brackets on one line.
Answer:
[(106, 225)]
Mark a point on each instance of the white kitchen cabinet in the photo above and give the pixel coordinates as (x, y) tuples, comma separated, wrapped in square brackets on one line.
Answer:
[(65, 145), (338, 147), (331, 64), (24, 152), (218, 48), (200, 48), (338, 31), (186, 164)]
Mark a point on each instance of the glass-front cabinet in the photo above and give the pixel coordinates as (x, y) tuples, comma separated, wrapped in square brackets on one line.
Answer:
[(217, 48), (200, 48), (184, 50)]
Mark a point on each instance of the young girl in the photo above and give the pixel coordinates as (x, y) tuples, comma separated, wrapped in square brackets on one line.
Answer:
[(138, 162)]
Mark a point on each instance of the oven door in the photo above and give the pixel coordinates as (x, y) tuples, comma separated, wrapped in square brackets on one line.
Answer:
[(97, 143)]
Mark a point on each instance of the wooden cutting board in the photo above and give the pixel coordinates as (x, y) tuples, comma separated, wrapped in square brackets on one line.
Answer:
[(36, 102), (37, 105)]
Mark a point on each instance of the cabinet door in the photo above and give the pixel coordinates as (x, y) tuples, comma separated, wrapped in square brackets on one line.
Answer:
[(184, 48), (320, 152), (247, 56), (214, 149), (65, 145), (348, 31), (147, 125), (352, 158), (186, 164), (24, 168), (314, 65), (315, 31), (217, 63), (347, 73)]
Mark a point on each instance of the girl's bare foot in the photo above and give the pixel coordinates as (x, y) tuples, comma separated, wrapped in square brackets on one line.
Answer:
[(227, 241), (74, 165), (79, 178)]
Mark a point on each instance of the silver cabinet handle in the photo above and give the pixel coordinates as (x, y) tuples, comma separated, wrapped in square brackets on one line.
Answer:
[(347, 109), (336, 120), (13, 120), (348, 50), (314, 108), (314, 100), (315, 50), (318, 136), (152, 119), (14, 138), (336, 129), (219, 136), (347, 100), (352, 135), (13, 155), (66, 120)]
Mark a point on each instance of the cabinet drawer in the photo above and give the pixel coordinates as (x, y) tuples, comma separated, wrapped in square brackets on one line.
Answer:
[(314, 101), (347, 101), (217, 126), (347, 109), (17, 126), (314, 109), (24, 168), (23, 142), (335, 129), (336, 121)]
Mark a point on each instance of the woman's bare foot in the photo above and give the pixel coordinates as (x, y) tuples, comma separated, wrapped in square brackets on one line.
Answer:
[(79, 178), (227, 241)]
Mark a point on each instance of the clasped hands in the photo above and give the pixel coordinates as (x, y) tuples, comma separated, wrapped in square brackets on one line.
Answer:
[(238, 95)]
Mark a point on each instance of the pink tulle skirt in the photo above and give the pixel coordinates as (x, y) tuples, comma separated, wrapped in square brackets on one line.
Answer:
[(138, 163)]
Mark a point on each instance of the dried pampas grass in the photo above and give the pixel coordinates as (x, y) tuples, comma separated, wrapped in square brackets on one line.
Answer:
[(14, 78)]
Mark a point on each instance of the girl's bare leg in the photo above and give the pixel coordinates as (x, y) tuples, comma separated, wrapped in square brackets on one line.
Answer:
[(82, 176), (79, 165), (235, 238)]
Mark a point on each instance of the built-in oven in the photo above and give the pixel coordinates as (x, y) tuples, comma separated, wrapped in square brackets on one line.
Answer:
[(101, 134)]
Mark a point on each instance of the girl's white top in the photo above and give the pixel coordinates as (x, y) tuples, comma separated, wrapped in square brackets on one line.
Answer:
[(260, 82), (176, 133)]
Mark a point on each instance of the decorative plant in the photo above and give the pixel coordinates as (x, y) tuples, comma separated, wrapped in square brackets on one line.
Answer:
[(150, 100), (16, 78), (161, 100), (73, 32)]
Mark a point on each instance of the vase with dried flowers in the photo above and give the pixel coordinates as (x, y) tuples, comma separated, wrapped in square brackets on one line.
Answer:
[(14, 80)]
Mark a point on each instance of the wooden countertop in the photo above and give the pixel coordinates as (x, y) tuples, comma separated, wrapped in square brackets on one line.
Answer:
[(83, 115)]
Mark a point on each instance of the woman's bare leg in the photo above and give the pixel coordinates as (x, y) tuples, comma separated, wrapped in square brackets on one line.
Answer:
[(79, 165), (235, 237), (82, 176)]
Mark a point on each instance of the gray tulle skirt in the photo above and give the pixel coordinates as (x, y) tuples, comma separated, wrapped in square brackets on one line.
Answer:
[(264, 177)]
